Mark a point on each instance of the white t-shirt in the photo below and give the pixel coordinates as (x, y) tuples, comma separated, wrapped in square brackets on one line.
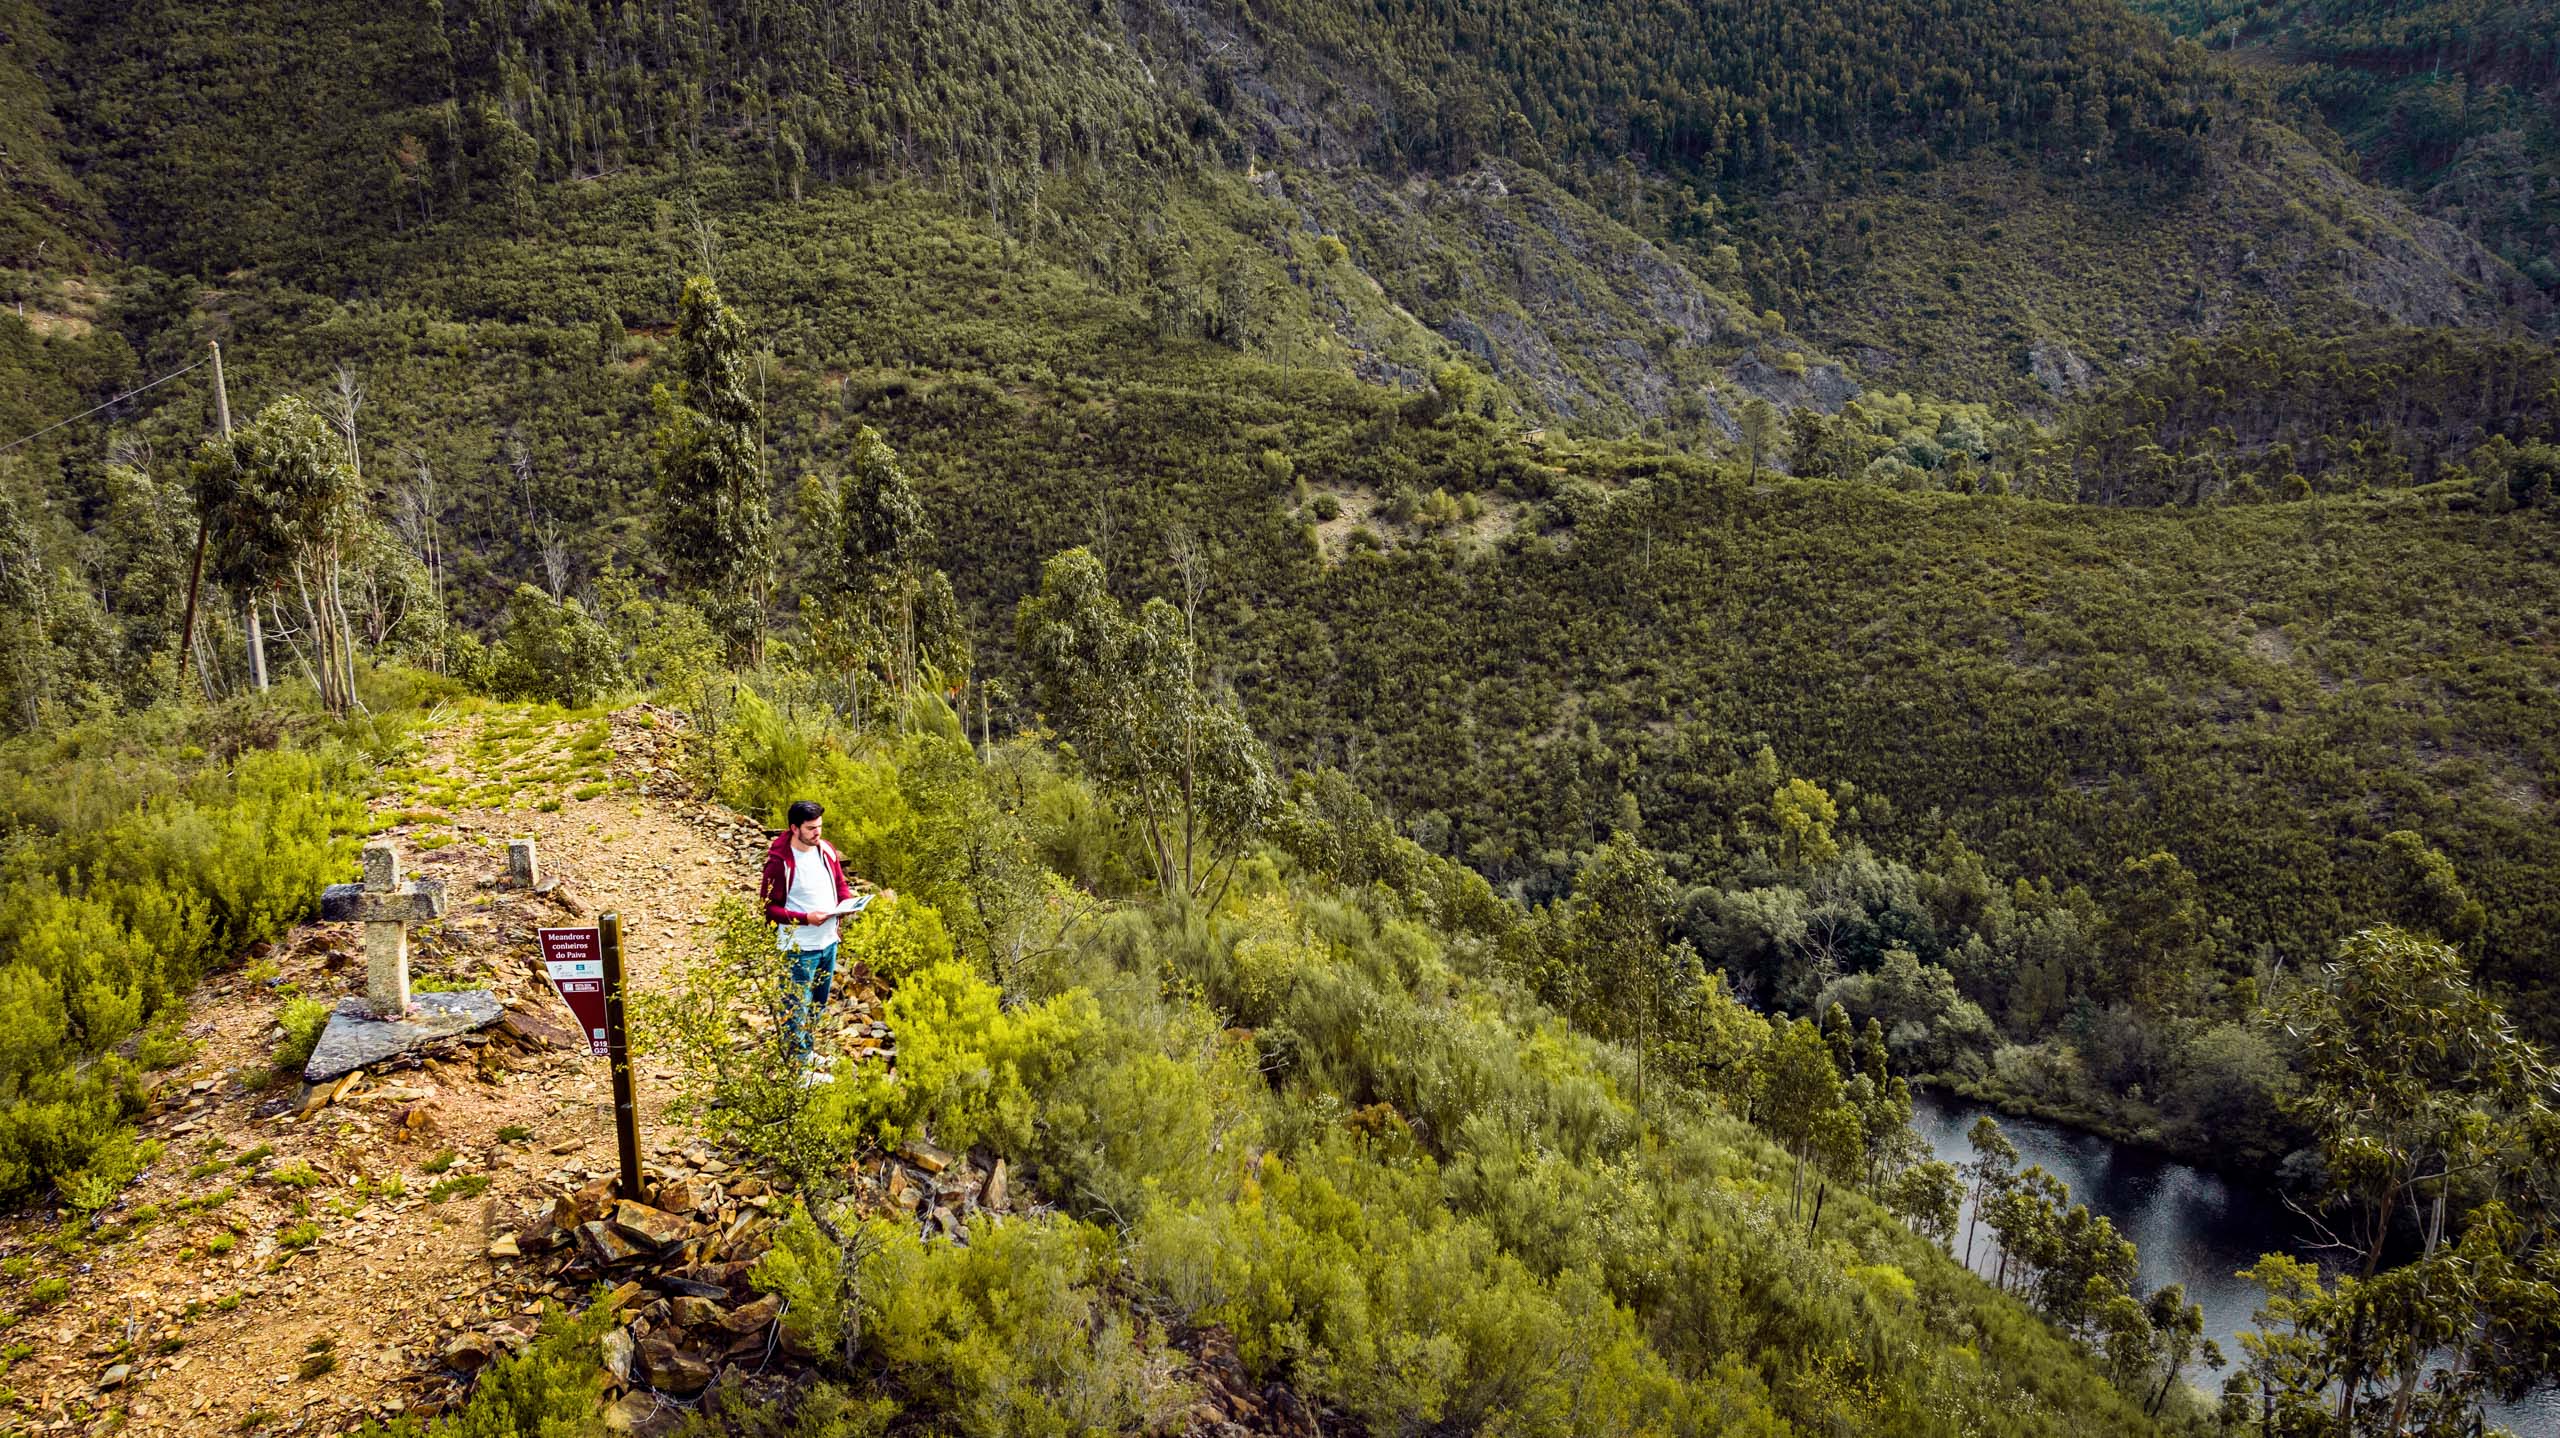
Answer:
[(812, 889)]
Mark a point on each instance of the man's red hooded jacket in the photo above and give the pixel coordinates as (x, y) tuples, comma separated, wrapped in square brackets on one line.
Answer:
[(775, 890)]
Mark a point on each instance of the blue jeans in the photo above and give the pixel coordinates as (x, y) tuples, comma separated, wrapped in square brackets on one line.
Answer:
[(805, 986)]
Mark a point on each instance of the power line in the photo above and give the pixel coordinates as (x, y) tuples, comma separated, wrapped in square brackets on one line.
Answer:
[(110, 404)]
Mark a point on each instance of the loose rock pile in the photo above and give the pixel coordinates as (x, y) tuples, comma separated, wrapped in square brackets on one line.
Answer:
[(690, 1330), (1231, 1404)]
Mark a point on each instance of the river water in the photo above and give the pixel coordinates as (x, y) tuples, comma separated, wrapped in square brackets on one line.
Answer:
[(2192, 1227)]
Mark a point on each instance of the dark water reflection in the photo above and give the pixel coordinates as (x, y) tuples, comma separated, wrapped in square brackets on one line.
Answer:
[(2192, 1227)]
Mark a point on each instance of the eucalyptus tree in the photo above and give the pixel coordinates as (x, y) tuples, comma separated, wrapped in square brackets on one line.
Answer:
[(1636, 983), (2438, 1125), (1987, 1174), (281, 503), (1126, 691)]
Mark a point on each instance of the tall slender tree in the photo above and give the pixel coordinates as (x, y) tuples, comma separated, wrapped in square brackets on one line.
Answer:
[(880, 540), (1123, 690), (714, 514), (1621, 918), (280, 502)]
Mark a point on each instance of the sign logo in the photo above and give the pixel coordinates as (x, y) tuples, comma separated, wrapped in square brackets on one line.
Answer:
[(575, 960)]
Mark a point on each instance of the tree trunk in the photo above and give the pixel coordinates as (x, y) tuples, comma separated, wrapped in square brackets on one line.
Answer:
[(187, 626), (257, 648), (346, 627)]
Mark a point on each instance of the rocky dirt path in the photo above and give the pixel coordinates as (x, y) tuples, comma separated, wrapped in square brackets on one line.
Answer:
[(281, 1270)]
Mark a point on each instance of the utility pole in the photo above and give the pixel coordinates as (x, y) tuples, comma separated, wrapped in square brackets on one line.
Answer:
[(195, 571)]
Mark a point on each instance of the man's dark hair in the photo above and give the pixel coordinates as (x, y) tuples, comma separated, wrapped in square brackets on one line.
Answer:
[(802, 811)]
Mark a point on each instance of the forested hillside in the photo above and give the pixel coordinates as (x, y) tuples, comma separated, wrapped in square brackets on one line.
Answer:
[(2004, 201), (1956, 524), (2453, 102)]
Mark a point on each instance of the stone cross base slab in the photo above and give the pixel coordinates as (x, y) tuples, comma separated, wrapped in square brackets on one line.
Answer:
[(355, 1037)]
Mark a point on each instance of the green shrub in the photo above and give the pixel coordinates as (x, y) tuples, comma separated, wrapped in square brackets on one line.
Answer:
[(138, 870), (297, 1174), (1015, 1334), (895, 938), (546, 1391), (302, 1020), (968, 1070), (554, 651), (721, 1021), (111, 1165), (470, 1185), (1157, 1109), (165, 1044), (815, 1278)]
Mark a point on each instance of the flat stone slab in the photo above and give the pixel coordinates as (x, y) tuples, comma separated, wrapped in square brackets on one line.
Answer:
[(355, 1037)]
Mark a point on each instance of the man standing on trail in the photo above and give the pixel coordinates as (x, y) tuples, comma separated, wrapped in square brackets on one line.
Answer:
[(805, 891)]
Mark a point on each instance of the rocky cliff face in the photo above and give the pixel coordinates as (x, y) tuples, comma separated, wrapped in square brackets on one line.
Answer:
[(1584, 319)]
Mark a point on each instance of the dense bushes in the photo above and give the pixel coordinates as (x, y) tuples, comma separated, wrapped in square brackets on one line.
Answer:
[(2278, 416), (1312, 1117), (552, 649), (1017, 1333), (135, 865), (547, 1389), (966, 1069)]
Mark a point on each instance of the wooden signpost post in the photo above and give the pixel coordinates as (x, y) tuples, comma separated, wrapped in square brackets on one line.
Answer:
[(585, 966)]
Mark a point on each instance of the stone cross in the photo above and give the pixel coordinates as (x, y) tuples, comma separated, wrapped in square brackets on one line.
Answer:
[(387, 907)]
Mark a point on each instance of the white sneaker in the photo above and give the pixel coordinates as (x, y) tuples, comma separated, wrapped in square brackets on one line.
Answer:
[(823, 1061), (811, 1078)]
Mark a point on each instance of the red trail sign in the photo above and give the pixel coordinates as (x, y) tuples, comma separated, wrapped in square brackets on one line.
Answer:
[(575, 960)]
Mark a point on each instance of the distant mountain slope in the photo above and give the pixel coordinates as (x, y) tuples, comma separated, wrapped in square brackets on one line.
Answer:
[(1633, 215), (2456, 101), (246, 132), (2005, 202), (47, 218)]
